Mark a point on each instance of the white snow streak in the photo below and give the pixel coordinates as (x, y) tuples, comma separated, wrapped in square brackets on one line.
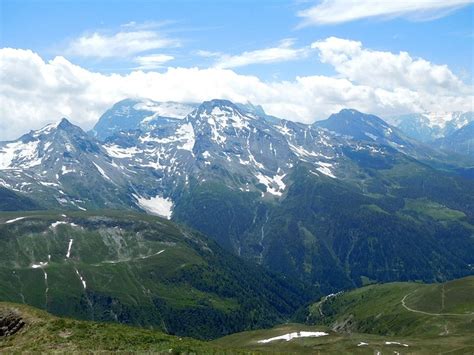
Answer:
[(68, 254), (101, 171), (395, 343), (84, 285), (14, 220), (41, 264), (293, 335)]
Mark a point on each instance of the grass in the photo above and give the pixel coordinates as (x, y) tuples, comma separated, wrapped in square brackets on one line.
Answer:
[(344, 343), (432, 209), (379, 321), (374, 314), (47, 333), (139, 270)]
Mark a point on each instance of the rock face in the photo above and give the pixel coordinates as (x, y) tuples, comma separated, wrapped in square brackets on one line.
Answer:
[(332, 203), (10, 323)]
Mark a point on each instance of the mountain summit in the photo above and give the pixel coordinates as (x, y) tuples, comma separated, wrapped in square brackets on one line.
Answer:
[(334, 203)]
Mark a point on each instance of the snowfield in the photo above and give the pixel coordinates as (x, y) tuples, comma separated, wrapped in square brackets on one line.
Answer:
[(157, 205)]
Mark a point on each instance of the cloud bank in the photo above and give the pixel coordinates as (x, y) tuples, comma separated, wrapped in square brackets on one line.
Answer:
[(34, 92)]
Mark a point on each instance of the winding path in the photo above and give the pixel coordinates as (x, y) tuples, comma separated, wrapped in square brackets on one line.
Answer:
[(431, 314)]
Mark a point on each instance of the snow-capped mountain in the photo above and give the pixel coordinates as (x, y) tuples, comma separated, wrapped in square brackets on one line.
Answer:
[(429, 126), (301, 199), (146, 154), (460, 141), (62, 166), (132, 114)]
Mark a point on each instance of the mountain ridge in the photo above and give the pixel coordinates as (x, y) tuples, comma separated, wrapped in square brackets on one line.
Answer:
[(236, 174)]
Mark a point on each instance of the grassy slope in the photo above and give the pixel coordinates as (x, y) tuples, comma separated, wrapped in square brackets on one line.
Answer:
[(378, 222), (374, 314), (192, 288), (46, 333), (378, 309), (425, 334)]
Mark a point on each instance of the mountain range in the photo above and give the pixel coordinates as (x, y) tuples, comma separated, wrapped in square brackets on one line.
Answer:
[(336, 204), (429, 126)]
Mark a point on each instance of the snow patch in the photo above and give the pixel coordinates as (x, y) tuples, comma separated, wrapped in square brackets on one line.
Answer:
[(25, 155), (293, 335), (156, 205), (324, 168), (55, 224), (184, 134), (284, 130), (164, 109), (39, 265), (275, 184), (49, 183), (116, 151), (14, 220), (395, 343), (301, 152), (65, 170)]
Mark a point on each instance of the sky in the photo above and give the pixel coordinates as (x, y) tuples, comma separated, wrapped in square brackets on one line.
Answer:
[(301, 60)]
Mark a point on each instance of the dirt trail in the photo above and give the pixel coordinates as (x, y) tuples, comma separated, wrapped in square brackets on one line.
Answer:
[(431, 314)]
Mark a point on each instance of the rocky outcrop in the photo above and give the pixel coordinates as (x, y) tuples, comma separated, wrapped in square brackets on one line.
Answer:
[(10, 323)]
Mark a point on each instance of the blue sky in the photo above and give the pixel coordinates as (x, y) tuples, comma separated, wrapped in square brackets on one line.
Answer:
[(231, 27), (273, 41)]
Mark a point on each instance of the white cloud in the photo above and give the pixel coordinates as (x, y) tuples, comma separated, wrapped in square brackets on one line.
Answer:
[(34, 92), (152, 61), (283, 52), (120, 44), (387, 70), (208, 54), (339, 11)]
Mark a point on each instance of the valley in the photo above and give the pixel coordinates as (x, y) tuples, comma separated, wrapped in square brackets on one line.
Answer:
[(379, 322)]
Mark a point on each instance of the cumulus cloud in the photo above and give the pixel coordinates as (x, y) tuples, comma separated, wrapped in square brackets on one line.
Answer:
[(386, 70), (120, 44), (34, 92), (338, 11), (282, 53)]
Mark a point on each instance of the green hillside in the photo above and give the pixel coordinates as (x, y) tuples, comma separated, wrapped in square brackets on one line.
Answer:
[(400, 309), (390, 219), (391, 318), (140, 270), (43, 332), (436, 318)]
